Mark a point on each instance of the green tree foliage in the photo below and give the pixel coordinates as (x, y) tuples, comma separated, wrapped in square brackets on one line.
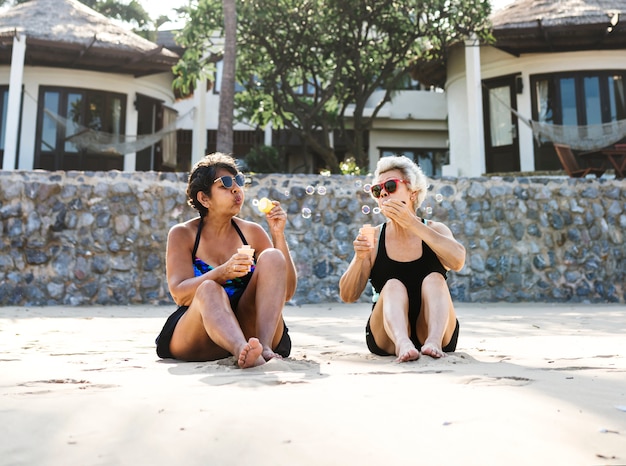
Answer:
[(339, 52), (265, 159)]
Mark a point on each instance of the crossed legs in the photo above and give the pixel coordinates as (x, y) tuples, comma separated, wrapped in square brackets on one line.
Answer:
[(211, 330)]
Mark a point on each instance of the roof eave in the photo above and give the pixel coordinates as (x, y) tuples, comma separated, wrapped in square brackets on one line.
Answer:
[(91, 56)]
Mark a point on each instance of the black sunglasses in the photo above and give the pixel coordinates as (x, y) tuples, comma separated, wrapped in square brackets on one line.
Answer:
[(390, 186), (227, 181)]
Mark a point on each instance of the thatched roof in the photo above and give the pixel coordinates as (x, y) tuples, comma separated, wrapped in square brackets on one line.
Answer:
[(68, 34), (168, 40), (526, 26)]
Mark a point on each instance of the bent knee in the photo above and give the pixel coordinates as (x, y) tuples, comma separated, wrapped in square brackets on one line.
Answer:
[(434, 282), (434, 278), (393, 285), (271, 256), (207, 289)]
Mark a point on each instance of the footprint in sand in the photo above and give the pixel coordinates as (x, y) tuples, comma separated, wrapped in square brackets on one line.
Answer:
[(497, 381)]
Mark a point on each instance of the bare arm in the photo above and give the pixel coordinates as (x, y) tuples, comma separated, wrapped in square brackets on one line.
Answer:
[(354, 280), (277, 220), (436, 235), (181, 279), (439, 238)]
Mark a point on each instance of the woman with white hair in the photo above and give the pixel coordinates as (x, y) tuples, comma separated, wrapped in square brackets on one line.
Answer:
[(407, 264)]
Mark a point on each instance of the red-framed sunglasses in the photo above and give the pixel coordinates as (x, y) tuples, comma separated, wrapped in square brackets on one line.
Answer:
[(390, 186)]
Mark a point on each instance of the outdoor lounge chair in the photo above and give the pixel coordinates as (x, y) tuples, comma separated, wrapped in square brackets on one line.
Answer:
[(570, 164)]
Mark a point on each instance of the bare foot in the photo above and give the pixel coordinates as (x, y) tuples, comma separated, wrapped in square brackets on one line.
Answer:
[(430, 349), (269, 354), (250, 354), (407, 352)]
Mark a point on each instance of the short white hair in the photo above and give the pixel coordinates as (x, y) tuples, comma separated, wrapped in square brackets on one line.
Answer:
[(413, 174)]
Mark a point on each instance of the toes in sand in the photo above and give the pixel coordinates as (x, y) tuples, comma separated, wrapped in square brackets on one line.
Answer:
[(433, 351), (250, 354), (269, 354), (407, 352)]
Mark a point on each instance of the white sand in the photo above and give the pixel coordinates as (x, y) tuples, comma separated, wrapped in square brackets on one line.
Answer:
[(532, 384)]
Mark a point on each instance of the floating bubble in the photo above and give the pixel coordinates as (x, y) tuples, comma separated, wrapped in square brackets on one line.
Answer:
[(310, 190), (255, 202), (321, 190), (357, 183), (428, 210), (376, 210), (306, 212), (365, 209), (438, 197), (286, 193), (367, 188)]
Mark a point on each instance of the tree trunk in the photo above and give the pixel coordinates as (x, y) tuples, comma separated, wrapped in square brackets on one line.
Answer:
[(227, 89), (327, 154)]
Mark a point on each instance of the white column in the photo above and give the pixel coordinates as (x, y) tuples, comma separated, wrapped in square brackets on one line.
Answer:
[(267, 135), (199, 139), (16, 81), (476, 142), (526, 138), (132, 117)]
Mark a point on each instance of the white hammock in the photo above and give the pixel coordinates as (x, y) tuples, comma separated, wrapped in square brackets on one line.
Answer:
[(120, 144), (586, 138)]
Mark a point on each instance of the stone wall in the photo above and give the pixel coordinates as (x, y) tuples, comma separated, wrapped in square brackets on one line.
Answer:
[(76, 238)]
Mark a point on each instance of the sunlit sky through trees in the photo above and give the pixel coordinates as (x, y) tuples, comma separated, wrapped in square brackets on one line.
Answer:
[(159, 8)]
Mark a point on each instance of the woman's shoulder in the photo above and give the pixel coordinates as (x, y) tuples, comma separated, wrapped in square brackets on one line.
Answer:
[(247, 225), (439, 227), (185, 228), (252, 231)]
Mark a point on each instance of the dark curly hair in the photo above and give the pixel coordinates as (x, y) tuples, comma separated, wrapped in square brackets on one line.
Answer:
[(203, 175)]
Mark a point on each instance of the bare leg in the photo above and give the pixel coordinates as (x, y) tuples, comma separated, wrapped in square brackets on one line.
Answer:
[(209, 330), (260, 308), (391, 316), (437, 320)]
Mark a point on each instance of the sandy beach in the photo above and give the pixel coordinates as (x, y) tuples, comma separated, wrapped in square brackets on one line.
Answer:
[(535, 384)]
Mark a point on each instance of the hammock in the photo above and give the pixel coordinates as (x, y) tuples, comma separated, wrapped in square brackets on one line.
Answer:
[(585, 138), (120, 144)]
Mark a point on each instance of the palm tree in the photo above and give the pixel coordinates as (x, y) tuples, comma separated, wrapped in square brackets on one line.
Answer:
[(227, 89)]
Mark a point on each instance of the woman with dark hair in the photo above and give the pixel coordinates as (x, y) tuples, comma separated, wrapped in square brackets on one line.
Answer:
[(406, 264), (230, 303)]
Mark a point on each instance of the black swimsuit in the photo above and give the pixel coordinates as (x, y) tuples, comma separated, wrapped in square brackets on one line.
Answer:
[(411, 274), (234, 289)]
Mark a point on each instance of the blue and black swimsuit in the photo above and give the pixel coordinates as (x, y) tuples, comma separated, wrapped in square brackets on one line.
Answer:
[(234, 289)]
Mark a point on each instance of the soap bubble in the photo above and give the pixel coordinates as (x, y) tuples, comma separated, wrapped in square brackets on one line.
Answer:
[(367, 188), (438, 197), (286, 193), (255, 202), (376, 210), (428, 210), (357, 183), (310, 190), (306, 212), (321, 190), (365, 209)]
